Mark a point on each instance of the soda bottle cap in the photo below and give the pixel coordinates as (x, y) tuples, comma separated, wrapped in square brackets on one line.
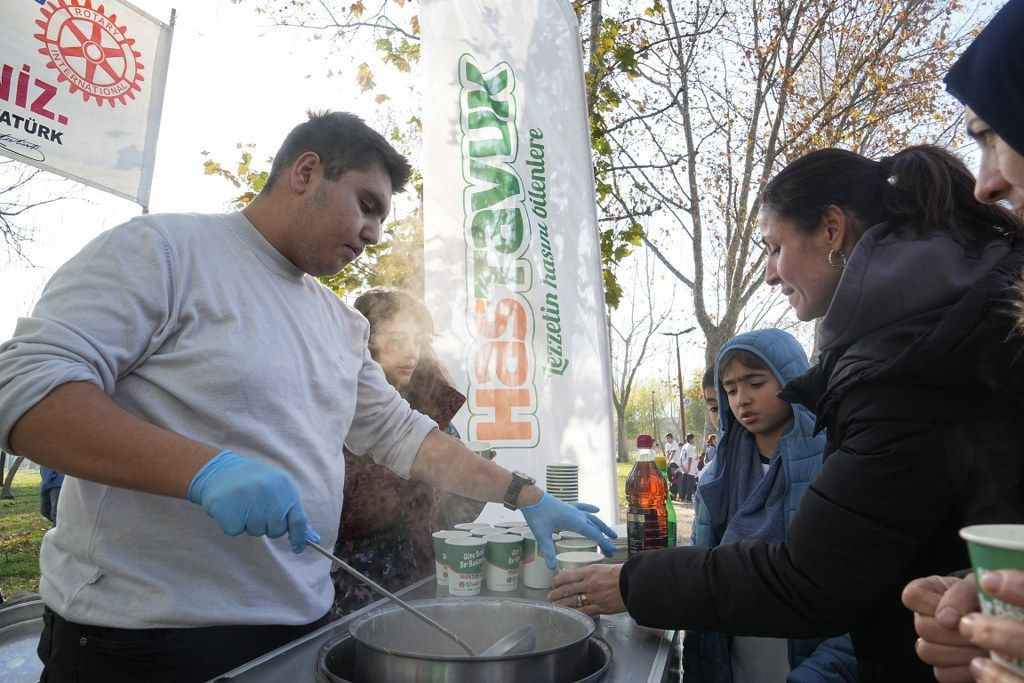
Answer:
[(644, 441)]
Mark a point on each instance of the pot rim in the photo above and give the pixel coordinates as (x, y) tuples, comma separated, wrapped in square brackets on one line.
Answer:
[(586, 620)]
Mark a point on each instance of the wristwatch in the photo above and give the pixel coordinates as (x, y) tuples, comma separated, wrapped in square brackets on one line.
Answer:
[(519, 480)]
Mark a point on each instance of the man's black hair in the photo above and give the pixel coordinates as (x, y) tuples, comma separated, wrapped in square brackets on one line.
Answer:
[(344, 143), (708, 380)]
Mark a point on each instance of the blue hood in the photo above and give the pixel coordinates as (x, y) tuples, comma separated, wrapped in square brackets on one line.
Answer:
[(780, 351), (800, 450)]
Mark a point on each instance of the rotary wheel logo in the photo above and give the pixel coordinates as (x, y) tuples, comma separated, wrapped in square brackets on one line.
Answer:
[(90, 51)]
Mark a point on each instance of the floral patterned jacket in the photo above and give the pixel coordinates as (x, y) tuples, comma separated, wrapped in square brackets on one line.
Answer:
[(387, 522)]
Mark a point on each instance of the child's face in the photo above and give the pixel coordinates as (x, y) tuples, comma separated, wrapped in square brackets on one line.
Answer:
[(752, 398), (711, 399)]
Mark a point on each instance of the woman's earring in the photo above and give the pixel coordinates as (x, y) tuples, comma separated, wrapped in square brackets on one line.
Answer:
[(832, 262)]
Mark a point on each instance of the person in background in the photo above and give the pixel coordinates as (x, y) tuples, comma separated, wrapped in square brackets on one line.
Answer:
[(671, 449), (988, 79), (688, 465), (921, 398), (708, 454), (769, 455), (707, 384), (675, 478), (387, 521), (49, 492)]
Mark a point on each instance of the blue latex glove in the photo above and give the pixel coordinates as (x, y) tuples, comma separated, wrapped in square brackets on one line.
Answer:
[(550, 515), (245, 495)]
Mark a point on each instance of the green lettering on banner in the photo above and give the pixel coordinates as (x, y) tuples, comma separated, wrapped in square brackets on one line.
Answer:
[(550, 311)]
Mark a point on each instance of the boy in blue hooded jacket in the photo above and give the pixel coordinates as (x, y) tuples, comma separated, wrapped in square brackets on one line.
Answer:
[(767, 457)]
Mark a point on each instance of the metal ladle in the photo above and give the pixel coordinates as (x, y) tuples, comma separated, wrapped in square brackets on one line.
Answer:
[(406, 606)]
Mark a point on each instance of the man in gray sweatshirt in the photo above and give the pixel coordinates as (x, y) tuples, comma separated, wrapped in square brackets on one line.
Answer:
[(189, 366)]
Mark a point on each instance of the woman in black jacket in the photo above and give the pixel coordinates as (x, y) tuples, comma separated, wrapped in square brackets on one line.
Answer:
[(919, 385)]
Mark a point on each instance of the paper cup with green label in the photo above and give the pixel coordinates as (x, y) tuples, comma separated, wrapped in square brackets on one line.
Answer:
[(481, 448), (465, 558), (992, 547), (535, 572), (512, 524), (503, 559), (439, 559), (568, 545), (577, 559)]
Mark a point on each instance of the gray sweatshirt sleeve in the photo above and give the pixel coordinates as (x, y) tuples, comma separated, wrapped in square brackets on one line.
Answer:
[(100, 315), (384, 425)]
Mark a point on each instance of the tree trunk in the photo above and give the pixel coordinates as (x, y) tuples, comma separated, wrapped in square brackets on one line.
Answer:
[(6, 493), (620, 432)]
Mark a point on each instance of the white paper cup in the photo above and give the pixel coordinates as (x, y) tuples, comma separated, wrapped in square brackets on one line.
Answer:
[(577, 560), (510, 524), (503, 560), (993, 547), (481, 448), (519, 530), (465, 558), (571, 534), (439, 560), (568, 545), (535, 572), (469, 526)]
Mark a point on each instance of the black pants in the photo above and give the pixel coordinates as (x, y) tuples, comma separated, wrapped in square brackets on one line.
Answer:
[(75, 652)]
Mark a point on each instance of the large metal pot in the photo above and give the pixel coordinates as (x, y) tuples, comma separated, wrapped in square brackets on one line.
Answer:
[(391, 645)]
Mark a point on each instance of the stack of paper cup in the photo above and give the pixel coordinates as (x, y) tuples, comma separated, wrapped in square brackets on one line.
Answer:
[(563, 482), (440, 564)]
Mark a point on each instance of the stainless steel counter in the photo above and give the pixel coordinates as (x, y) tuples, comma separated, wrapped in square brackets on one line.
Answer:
[(638, 654)]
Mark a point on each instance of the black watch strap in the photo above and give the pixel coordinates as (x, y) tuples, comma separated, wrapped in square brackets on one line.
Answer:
[(519, 480)]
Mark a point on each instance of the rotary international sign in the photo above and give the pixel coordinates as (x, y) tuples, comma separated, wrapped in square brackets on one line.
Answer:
[(81, 88)]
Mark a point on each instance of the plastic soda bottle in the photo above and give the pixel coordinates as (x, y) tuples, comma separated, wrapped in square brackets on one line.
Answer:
[(646, 493), (670, 509)]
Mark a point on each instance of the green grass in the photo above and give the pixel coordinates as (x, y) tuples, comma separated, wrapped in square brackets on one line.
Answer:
[(21, 532), (621, 472)]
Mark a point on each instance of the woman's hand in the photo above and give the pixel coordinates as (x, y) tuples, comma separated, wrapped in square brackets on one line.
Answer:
[(1004, 635), (938, 603), (593, 590)]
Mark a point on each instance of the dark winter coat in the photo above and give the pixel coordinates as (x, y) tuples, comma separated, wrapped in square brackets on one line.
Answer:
[(920, 388)]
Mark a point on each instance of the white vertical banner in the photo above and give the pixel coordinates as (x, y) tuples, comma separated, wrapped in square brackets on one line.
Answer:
[(512, 255), (81, 89)]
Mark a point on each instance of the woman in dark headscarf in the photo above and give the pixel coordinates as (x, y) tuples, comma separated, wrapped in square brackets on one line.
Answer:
[(989, 80)]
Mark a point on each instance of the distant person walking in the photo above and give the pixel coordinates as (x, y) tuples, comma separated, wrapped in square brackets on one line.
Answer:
[(49, 492), (689, 467)]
